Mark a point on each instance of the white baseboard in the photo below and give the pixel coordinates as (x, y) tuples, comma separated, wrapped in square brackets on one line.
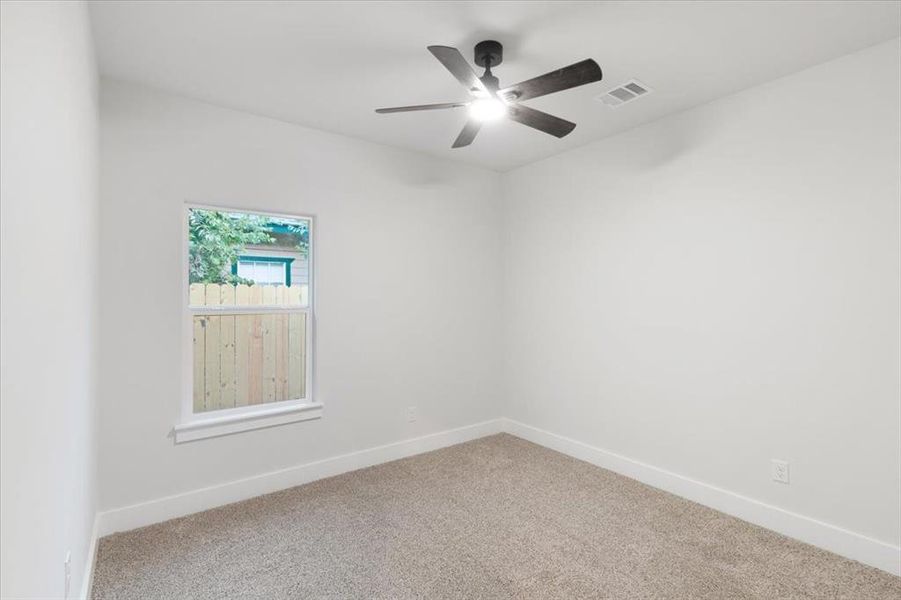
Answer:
[(170, 507), (829, 537), (823, 535), (87, 580)]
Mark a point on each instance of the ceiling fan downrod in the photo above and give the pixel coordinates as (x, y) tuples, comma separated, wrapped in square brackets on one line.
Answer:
[(489, 53)]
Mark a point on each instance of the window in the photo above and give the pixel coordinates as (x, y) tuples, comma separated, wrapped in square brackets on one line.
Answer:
[(264, 269), (248, 322)]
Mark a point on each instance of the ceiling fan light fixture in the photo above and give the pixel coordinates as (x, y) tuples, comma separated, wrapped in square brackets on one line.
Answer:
[(491, 102), (487, 109)]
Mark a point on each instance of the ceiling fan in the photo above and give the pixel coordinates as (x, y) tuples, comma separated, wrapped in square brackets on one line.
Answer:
[(490, 102)]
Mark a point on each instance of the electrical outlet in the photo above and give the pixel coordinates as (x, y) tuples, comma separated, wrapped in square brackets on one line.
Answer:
[(68, 567), (411, 414), (780, 470)]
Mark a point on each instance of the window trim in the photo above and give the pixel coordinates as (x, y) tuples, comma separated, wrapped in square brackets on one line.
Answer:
[(270, 259), (192, 426)]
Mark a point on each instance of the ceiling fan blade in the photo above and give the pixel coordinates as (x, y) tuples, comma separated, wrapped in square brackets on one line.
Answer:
[(541, 121), (396, 109), (454, 62), (468, 134), (580, 73)]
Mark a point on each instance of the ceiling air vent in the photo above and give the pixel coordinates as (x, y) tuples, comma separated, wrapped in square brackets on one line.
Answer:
[(625, 93)]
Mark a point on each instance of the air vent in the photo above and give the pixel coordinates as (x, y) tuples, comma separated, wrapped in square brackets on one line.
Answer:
[(625, 93)]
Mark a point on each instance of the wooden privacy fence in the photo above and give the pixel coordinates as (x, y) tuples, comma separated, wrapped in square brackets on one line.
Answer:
[(242, 357)]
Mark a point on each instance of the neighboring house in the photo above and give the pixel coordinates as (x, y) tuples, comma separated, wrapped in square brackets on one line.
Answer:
[(280, 263)]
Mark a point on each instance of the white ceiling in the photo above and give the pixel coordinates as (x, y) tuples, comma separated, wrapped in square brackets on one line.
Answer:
[(329, 64)]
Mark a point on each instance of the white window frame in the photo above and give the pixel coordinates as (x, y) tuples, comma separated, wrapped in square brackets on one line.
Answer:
[(195, 426)]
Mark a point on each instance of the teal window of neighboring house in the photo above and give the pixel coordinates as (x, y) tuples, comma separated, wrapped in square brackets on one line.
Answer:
[(265, 270)]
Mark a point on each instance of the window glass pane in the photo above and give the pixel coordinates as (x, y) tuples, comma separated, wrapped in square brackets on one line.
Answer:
[(246, 359), (234, 249), (245, 270), (276, 273)]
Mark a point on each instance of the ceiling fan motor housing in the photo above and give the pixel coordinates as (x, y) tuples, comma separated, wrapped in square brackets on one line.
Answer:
[(489, 53)]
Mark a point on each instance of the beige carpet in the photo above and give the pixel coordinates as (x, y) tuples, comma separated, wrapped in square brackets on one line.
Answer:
[(494, 518)]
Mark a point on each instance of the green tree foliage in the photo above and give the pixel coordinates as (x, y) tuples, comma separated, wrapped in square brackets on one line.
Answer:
[(217, 238), (300, 231)]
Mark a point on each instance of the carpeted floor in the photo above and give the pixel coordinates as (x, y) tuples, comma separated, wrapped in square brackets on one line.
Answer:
[(495, 518)]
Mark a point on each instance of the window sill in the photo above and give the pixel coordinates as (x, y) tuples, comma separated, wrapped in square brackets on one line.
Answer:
[(214, 426)]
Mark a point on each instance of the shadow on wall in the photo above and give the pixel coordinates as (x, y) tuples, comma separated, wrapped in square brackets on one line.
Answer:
[(680, 138), (425, 173)]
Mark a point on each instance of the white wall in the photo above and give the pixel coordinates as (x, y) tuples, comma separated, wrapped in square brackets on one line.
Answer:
[(48, 210), (420, 326), (721, 287)]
